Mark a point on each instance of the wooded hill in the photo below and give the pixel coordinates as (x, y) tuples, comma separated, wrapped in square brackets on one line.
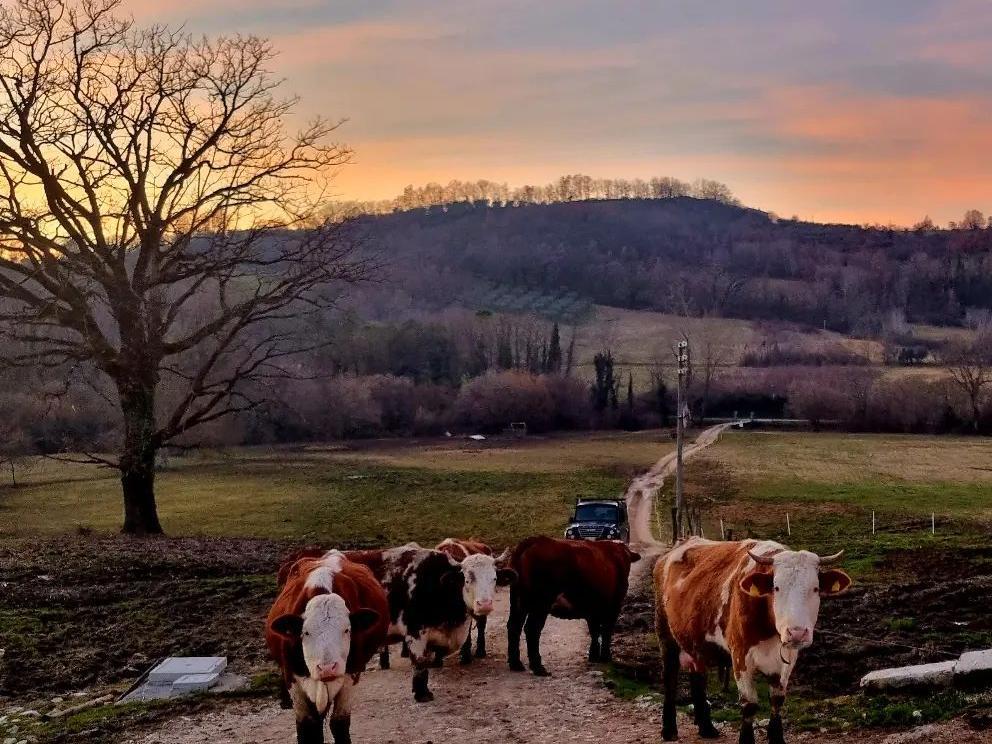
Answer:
[(687, 256)]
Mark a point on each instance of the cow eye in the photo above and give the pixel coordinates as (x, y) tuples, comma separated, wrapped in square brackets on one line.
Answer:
[(778, 588), (306, 633), (816, 590)]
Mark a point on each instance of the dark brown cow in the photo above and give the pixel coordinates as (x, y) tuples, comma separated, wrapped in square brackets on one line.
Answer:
[(480, 569), (327, 623), (571, 579), (756, 602)]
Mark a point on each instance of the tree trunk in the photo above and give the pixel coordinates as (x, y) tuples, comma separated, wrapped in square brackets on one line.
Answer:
[(137, 461)]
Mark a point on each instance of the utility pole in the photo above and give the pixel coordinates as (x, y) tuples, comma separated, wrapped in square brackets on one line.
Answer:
[(682, 357)]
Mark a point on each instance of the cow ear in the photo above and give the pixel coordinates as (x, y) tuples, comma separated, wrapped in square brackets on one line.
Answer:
[(505, 576), (288, 626), (758, 584), (634, 557), (834, 582), (364, 619)]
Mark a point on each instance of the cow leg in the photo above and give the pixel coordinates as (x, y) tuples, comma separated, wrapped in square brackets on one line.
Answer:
[(514, 626), (466, 652), (405, 651), (606, 641), (421, 692), (480, 643), (776, 731), (670, 674), (309, 722), (594, 650), (285, 699), (533, 628), (341, 714), (701, 706), (748, 711), (438, 659), (384, 657)]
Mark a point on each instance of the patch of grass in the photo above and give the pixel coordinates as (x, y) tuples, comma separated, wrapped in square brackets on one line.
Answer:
[(897, 624), (331, 501)]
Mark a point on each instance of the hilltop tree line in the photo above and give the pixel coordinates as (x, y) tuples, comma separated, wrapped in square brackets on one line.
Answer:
[(568, 188)]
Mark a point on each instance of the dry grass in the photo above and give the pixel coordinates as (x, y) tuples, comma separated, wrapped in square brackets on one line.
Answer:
[(831, 457), (619, 452)]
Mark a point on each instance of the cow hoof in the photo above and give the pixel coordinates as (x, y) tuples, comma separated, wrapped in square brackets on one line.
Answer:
[(480, 654), (540, 671), (670, 734), (438, 663), (466, 659), (708, 732), (424, 697), (517, 666)]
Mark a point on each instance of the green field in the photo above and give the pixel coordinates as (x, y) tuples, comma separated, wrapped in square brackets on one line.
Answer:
[(378, 493)]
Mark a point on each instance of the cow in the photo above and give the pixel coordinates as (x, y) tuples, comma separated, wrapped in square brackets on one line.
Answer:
[(756, 602), (480, 569), (428, 606), (572, 579), (326, 624)]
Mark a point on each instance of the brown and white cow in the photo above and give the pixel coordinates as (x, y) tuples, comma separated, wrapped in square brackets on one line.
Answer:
[(483, 573), (756, 602), (327, 623), (572, 579)]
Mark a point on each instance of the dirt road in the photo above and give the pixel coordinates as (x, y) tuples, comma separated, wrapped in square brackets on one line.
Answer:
[(644, 488)]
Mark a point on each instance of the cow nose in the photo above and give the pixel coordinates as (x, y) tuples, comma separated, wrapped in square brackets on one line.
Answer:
[(484, 606), (329, 672), (799, 635)]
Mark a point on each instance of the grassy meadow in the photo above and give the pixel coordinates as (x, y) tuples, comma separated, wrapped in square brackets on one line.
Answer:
[(368, 493)]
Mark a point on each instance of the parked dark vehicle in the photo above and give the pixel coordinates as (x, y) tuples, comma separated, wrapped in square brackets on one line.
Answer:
[(599, 519)]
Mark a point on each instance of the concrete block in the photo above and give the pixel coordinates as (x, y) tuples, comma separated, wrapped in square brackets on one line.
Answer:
[(973, 668), (922, 675), (194, 683), (179, 666)]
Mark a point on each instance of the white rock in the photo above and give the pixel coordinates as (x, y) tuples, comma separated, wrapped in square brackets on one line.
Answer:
[(921, 675), (974, 666)]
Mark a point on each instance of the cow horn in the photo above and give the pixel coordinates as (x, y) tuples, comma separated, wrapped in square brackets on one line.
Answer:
[(761, 560), (503, 557), (829, 560)]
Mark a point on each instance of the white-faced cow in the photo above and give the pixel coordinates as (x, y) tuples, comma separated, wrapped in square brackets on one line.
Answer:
[(329, 619), (483, 573), (756, 602), (571, 579)]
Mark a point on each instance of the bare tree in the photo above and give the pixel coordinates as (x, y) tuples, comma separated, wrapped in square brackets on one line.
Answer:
[(969, 363), (157, 220)]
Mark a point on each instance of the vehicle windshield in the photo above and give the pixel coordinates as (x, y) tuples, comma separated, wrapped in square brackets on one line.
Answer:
[(596, 513)]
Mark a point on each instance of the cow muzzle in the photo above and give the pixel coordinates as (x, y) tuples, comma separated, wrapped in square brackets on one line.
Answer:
[(329, 672), (482, 607), (797, 638)]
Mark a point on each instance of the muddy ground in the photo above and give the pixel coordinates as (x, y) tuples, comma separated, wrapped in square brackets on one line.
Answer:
[(83, 613)]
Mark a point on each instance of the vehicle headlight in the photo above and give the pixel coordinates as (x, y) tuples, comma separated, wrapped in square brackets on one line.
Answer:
[(571, 532)]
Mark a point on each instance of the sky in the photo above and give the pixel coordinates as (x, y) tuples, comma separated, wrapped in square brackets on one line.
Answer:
[(850, 110)]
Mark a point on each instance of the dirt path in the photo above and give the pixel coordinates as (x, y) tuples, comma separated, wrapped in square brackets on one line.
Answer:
[(643, 489), (483, 702)]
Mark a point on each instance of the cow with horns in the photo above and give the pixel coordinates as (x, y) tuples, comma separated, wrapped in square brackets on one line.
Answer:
[(756, 602), (483, 574)]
